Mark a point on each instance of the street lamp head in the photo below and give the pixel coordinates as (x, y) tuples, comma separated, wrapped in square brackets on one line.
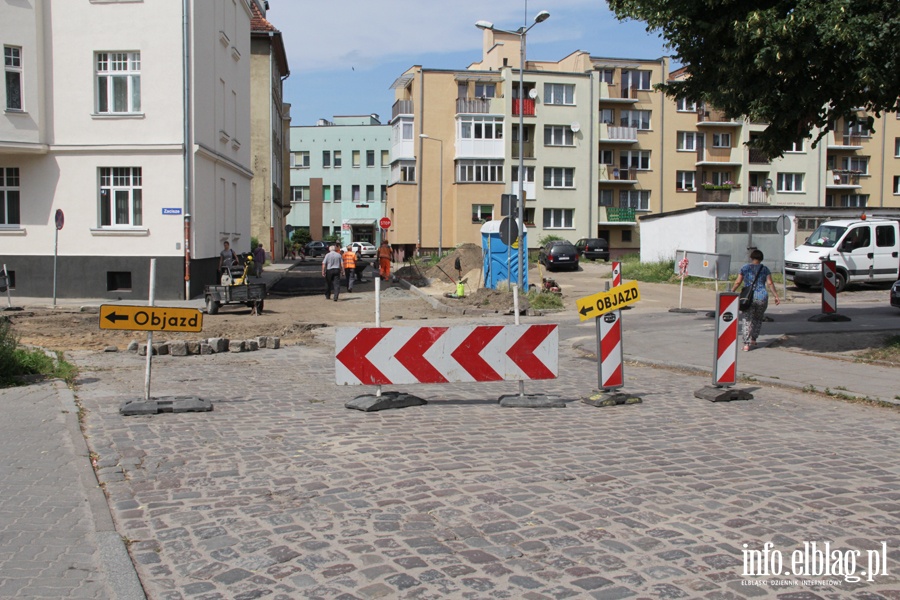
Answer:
[(423, 135), (542, 16), (484, 24)]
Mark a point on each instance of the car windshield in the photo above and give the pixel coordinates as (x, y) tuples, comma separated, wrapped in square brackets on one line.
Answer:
[(826, 236)]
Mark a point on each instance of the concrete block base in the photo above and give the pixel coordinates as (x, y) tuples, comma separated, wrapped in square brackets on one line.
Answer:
[(602, 398), (371, 402), (172, 404), (718, 394), (828, 318), (530, 401)]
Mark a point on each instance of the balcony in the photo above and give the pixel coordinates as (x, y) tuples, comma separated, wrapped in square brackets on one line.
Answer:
[(718, 156), (610, 173), (527, 150), (842, 179), (527, 107), (758, 196), (610, 93), (758, 157), (401, 107), (704, 195), (613, 214), (473, 105), (610, 134), (715, 117), (847, 141)]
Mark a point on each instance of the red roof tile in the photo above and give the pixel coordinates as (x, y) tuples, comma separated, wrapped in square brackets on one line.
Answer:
[(258, 22)]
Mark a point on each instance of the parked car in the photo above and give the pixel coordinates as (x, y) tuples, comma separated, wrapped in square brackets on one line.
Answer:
[(318, 248), (364, 249), (559, 254), (593, 248), (895, 294)]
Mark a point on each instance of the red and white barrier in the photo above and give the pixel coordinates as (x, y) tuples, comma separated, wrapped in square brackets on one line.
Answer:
[(725, 363), (616, 274), (609, 357), (399, 355), (829, 287)]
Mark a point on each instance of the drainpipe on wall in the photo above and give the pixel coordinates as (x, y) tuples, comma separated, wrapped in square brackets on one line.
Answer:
[(188, 142)]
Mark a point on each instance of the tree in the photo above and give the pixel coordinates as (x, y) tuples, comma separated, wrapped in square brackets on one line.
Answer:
[(798, 65)]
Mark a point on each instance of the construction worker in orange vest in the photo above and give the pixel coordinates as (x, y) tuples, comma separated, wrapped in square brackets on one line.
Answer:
[(384, 260), (349, 267)]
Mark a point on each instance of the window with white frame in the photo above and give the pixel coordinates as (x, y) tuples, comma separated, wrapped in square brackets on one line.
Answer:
[(9, 196), (637, 80), (385, 158), (12, 63), (300, 193), (370, 158), (607, 157), (384, 193), (897, 146), (687, 140), (685, 105), (558, 135), (721, 140), (355, 158), (354, 193), (896, 184), (529, 174), (856, 163), (559, 93), (721, 178), (121, 197), (338, 192), (337, 158), (858, 129), (797, 146), (634, 159), (790, 182), (485, 90), (607, 75), (685, 181), (639, 119), (300, 159), (370, 193), (326, 193), (607, 115), (404, 171), (854, 200), (326, 158), (118, 82), (636, 199), (407, 129), (480, 128), (605, 197), (479, 171), (482, 213), (559, 218), (559, 177)]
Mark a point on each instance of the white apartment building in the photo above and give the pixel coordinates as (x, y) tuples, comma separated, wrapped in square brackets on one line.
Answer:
[(133, 120)]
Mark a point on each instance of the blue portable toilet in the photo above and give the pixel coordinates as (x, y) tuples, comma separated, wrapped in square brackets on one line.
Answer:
[(501, 262)]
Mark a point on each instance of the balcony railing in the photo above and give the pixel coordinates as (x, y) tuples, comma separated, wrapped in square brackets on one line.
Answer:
[(758, 157), (712, 116), (842, 177), (473, 105), (848, 139), (401, 107), (630, 92), (713, 195), (758, 197), (527, 107), (615, 214), (619, 174), (527, 150), (622, 133)]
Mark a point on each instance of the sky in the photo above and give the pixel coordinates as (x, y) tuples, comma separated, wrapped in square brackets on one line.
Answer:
[(345, 54)]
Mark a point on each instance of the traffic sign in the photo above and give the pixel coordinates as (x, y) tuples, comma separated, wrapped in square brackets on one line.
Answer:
[(509, 231), (604, 302), (150, 318), (384, 223)]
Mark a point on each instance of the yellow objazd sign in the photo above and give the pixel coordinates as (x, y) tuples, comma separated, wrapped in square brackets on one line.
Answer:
[(150, 318), (590, 307)]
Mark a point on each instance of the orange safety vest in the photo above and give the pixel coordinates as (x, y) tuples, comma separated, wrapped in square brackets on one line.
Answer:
[(384, 252), (349, 260)]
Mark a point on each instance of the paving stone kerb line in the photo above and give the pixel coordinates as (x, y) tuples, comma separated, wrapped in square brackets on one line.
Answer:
[(282, 492)]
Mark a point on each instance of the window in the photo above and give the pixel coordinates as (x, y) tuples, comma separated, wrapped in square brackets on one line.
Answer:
[(479, 171), (482, 212), (607, 116), (639, 119), (384, 193), (607, 157), (559, 218), (884, 236), (120, 197), (480, 128), (685, 181), (626, 235), (636, 199), (605, 198), (687, 140), (337, 158), (338, 193), (326, 158), (790, 182), (897, 146), (559, 93), (12, 62), (355, 158), (118, 281), (300, 193), (685, 105), (854, 200), (721, 140), (354, 193), (118, 82), (607, 75), (529, 174), (370, 158), (638, 80), (795, 147), (634, 159), (300, 159), (9, 196), (721, 178), (558, 135), (485, 90), (856, 163), (860, 129), (326, 193), (559, 177), (370, 193), (385, 158), (529, 217), (896, 185), (403, 171)]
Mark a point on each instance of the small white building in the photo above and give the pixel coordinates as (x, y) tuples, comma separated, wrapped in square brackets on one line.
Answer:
[(133, 119)]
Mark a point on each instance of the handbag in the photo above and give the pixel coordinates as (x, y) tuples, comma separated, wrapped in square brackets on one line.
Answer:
[(746, 297)]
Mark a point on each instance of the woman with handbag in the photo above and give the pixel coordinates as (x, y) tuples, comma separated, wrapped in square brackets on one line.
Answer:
[(754, 300)]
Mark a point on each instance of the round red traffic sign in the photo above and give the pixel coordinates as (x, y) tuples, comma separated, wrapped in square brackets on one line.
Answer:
[(384, 223), (60, 218)]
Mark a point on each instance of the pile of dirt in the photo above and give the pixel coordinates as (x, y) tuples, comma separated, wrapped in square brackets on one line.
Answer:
[(488, 299), (470, 267)]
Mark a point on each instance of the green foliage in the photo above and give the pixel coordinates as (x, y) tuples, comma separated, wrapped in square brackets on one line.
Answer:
[(795, 64), (254, 242), (655, 272), (549, 238), (888, 352), (301, 236), (16, 363), (544, 300)]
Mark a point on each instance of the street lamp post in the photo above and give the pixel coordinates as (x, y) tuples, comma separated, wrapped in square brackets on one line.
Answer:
[(540, 18), (425, 136)]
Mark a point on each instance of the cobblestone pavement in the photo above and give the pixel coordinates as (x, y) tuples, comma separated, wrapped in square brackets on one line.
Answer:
[(282, 492)]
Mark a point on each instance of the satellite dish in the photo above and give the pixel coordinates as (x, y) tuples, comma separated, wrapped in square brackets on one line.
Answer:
[(532, 93), (575, 126)]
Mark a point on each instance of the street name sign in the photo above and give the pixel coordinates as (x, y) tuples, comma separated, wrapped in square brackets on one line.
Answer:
[(150, 318), (590, 307)]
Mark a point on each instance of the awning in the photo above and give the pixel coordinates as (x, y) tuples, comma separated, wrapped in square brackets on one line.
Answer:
[(360, 221)]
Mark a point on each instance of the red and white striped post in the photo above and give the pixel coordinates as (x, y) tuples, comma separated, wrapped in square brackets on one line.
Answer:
[(609, 354), (726, 348), (829, 288), (616, 274)]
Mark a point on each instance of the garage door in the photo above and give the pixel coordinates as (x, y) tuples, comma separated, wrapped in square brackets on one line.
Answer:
[(737, 237)]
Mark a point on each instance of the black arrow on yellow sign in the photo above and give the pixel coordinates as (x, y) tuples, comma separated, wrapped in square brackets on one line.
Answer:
[(586, 310), (113, 317)]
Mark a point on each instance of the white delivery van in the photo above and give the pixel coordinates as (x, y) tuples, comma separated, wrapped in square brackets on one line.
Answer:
[(864, 250)]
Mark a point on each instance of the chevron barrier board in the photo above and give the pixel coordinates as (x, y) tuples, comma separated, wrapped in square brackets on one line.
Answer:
[(403, 355)]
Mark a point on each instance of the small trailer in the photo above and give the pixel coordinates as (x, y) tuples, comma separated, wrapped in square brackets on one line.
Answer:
[(234, 288)]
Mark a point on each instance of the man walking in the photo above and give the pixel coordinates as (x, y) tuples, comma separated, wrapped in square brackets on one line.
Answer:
[(349, 267), (332, 271)]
